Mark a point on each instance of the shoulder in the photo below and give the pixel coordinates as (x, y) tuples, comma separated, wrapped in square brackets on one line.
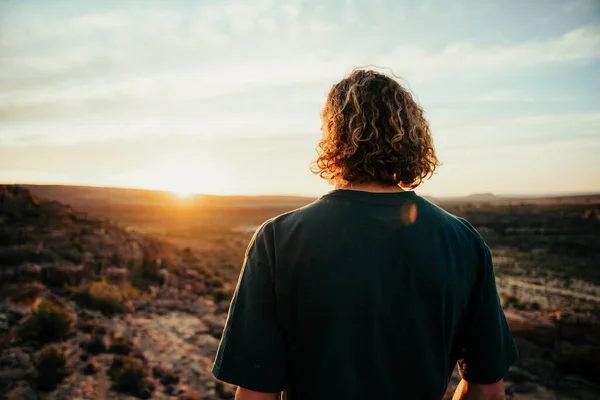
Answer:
[(288, 220), (461, 230), (281, 225)]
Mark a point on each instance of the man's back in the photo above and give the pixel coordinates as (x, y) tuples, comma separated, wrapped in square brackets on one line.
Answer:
[(365, 295)]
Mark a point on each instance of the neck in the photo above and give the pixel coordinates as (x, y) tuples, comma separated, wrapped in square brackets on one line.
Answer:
[(368, 187)]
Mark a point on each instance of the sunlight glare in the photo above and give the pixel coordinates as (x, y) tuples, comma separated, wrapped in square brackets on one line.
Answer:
[(183, 194)]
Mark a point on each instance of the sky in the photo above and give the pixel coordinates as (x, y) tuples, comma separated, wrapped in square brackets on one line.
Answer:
[(224, 97)]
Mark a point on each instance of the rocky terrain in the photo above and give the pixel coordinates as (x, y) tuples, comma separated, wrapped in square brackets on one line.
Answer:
[(90, 311), (95, 309)]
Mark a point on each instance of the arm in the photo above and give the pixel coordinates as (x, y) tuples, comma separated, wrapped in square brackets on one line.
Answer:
[(487, 348), (246, 394), (252, 351), (473, 391)]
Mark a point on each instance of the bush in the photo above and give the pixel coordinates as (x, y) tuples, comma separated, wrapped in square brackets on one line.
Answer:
[(95, 345), (121, 345), (129, 376), (52, 367), (220, 294), (108, 298), (204, 270), (216, 282), (48, 322), (512, 302)]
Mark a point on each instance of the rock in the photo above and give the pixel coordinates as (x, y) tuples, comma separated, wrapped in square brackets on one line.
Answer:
[(15, 366), (23, 391), (215, 324), (208, 343)]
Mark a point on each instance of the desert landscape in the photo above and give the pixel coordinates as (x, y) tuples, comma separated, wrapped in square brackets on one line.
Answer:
[(119, 294)]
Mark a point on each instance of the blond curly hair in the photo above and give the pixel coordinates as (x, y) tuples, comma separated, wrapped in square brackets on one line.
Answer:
[(374, 132)]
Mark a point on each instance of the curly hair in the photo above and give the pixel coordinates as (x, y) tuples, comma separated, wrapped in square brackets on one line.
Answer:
[(374, 132)]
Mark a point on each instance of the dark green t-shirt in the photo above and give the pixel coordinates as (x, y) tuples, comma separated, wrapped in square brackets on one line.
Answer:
[(365, 296)]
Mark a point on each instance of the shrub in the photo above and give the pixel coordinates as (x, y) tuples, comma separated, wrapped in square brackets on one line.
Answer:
[(129, 376), (95, 345), (512, 301), (52, 367), (220, 294), (204, 270), (108, 298), (48, 322), (216, 281), (121, 345)]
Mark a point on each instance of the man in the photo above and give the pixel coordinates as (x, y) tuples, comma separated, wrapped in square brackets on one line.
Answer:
[(371, 292)]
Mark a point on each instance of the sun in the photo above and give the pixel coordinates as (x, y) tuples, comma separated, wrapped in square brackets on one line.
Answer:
[(183, 193)]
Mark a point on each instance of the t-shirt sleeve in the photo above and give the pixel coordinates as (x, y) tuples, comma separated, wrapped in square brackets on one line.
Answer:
[(252, 351), (488, 347)]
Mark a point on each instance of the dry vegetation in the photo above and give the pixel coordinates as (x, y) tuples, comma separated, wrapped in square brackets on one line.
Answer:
[(132, 288)]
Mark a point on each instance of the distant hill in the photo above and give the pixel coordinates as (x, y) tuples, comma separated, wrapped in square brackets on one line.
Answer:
[(483, 197), (89, 195)]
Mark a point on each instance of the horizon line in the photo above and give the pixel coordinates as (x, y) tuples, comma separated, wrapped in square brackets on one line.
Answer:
[(506, 196)]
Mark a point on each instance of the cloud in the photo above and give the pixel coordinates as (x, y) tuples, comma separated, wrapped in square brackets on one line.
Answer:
[(543, 129), (512, 96), (420, 64)]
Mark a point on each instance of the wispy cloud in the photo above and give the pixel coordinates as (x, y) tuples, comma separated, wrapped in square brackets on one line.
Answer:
[(420, 64)]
